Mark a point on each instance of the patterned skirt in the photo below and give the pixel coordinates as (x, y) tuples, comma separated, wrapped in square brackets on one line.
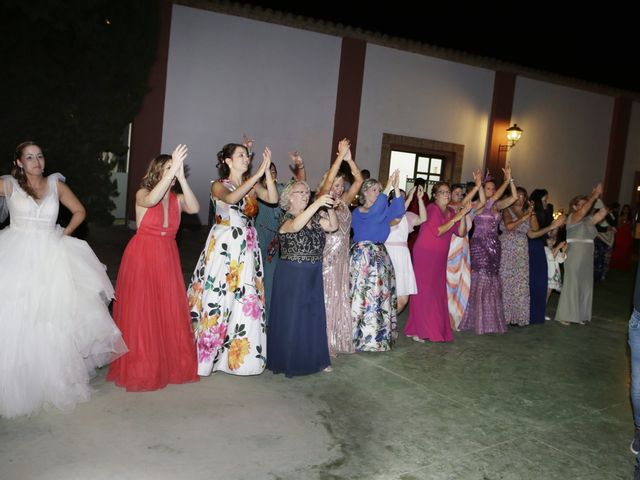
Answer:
[(373, 298)]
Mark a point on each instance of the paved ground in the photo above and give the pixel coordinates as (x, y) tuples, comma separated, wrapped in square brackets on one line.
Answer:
[(541, 402)]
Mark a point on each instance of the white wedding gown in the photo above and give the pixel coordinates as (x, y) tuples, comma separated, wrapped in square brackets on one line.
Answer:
[(55, 327)]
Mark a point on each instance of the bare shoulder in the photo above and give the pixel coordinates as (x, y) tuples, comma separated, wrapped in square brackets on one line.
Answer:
[(219, 189)]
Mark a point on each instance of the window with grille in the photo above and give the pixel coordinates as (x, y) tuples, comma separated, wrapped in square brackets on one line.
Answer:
[(417, 165)]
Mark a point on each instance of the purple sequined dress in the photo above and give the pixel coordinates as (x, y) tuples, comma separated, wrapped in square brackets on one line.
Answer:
[(485, 312)]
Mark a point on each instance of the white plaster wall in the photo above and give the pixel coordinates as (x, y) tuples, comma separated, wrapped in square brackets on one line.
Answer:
[(228, 76), (632, 157), (565, 141), (425, 97)]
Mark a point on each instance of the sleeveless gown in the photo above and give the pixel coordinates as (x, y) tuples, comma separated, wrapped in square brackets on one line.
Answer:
[(151, 307), (297, 340), (55, 327), (226, 293), (485, 312), (576, 299), (335, 276)]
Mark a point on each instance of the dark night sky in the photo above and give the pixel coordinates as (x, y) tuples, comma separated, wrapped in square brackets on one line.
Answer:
[(599, 47)]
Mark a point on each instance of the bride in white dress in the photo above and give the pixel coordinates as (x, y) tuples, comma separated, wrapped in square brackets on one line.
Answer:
[(55, 327)]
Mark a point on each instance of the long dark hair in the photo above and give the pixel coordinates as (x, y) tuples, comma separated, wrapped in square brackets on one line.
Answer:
[(18, 172), (227, 152), (544, 216)]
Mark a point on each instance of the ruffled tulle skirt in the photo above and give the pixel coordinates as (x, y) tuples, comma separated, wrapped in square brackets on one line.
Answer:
[(55, 327)]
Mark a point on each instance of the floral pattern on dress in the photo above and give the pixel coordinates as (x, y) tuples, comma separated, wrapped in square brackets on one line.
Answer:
[(373, 298), (226, 293)]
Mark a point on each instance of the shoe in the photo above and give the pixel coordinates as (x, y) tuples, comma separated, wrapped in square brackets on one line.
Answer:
[(415, 338), (547, 319), (565, 323), (328, 369), (635, 445)]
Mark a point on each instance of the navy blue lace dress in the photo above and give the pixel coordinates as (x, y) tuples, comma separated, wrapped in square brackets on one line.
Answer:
[(297, 331)]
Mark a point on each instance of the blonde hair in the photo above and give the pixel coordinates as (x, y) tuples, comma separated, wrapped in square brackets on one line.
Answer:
[(154, 171), (285, 196), (368, 183), (574, 201)]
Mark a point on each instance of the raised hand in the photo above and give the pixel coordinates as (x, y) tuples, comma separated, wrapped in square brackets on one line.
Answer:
[(247, 141), (179, 154), (177, 163), (325, 200), (477, 178), (530, 207), (396, 179), (343, 147), (507, 170), (266, 155), (597, 190), (348, 156), (393, 178), (296, 158), (266, 161), (560, 221)]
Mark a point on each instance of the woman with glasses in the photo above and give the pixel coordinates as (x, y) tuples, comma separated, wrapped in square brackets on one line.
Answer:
[(226, 292), (297, 339), (373, 283), (428, 309)]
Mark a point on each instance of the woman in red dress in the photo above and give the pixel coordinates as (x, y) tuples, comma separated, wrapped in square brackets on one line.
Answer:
[(151, 306), (623, 246)]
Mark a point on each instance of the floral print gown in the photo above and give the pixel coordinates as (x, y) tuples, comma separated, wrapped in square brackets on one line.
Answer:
[(226, 293)]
